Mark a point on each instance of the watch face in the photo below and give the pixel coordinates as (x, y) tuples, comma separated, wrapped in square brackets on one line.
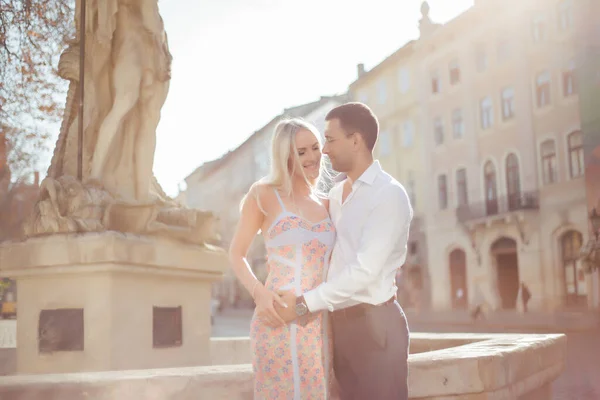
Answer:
[(301, 309)]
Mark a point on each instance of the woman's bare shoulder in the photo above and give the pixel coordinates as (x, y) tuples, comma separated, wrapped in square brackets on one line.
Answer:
[(264, 194), (262, 189)]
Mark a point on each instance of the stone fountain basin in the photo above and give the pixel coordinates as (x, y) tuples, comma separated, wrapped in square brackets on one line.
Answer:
[(442, 366)]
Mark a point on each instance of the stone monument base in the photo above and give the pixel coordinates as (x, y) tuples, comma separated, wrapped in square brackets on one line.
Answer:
[(100, 302)]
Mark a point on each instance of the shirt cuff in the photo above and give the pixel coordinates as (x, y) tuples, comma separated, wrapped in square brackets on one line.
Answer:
[(315, 302)]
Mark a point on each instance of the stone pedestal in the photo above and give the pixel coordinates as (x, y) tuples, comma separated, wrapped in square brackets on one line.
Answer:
[(109, 301)]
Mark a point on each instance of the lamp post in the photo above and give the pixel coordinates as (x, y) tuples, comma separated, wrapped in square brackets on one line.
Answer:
[(82, 29)]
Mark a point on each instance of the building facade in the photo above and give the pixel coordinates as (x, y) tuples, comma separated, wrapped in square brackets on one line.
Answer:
[(480, 121), (231, 176), (505, 158)]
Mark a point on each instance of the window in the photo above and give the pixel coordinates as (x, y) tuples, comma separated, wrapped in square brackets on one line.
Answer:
[(438, 131), (539, 27), (435, 83), (412, 188), (491, 190), (461, 187), (442, 192), (576, 163), (458, 279), (542, 89), (548, 152), (568, 80), (381, 92), (408, 133), (454, 72), (458, 127), (385, 145), (508, 103), (565, 15), (503, 50), (575, 285), (481, 58), (486, 112), (513, 181), (404, 80)]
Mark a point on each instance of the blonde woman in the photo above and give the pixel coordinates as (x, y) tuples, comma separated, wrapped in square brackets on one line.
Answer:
[(290, 361)]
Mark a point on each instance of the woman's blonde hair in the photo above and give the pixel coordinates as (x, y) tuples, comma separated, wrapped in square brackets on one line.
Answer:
[(284, 155), (284, 158)]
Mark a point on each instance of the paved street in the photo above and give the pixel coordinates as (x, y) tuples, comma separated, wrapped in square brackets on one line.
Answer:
[(579, 381), (231, 323)]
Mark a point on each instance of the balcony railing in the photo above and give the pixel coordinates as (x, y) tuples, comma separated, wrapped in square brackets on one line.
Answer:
[(499, 206)]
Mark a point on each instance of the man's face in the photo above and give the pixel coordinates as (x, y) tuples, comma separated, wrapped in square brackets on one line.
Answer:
[(339, 146)]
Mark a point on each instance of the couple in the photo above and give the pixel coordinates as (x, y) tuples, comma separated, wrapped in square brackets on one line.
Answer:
[(332, 262)]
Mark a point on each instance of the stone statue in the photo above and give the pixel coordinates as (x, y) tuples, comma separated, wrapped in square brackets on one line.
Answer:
[(140, 81), (127, 74)]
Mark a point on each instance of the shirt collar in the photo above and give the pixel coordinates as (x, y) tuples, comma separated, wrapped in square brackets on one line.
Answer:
[(370, 173), (368, 177)]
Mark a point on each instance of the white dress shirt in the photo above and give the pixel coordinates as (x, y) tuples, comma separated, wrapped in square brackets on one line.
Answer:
[(372, 233)]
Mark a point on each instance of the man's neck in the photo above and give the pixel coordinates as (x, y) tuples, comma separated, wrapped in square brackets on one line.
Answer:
[(361, 166)]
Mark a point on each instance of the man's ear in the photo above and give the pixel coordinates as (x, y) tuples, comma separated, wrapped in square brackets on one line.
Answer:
[(357, 140)]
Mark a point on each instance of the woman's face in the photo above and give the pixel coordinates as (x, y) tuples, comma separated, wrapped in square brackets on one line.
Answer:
[(309, 154)]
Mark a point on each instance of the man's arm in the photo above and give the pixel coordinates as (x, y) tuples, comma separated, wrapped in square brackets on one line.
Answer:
[(386, 225)]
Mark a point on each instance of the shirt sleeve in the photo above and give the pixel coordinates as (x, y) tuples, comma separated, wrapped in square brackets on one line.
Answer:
[(384, 235)]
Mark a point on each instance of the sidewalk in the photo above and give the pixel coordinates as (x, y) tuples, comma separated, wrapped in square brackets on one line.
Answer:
[(232, 322), (562, 321)]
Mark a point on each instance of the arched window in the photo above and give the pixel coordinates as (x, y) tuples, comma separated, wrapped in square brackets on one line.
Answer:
[(548, 154), (491, 189), (576, 164), (458, 278), (575, 285), (513, 181)]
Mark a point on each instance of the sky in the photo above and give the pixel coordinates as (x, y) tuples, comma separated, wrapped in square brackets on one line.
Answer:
[(239, 63)]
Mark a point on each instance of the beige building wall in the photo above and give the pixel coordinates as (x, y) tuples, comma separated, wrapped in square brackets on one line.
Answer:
[(514, 62), (391, 90)]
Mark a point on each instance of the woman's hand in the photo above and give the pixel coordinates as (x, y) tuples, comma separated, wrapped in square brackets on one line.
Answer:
[(265, 300)]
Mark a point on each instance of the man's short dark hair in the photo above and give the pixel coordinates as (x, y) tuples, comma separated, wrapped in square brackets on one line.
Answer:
[(357, 117)]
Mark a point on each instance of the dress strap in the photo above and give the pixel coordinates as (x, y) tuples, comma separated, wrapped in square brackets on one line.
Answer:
[(279, 199)]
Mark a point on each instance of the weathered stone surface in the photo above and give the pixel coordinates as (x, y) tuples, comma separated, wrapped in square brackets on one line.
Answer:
[(176, 383), (490, 367), (230, 351), (75, 253)]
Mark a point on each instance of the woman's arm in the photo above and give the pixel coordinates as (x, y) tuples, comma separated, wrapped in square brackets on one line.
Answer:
[(251, 219)]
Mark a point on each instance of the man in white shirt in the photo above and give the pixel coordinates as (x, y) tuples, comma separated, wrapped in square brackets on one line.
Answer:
[(372, 214)]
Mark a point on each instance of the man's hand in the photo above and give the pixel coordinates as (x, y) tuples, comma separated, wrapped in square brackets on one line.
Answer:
[(267, 303), (288, 314)]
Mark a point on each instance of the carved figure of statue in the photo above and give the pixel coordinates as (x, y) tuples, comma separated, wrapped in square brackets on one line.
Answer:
[(127, 73), (140, 82)]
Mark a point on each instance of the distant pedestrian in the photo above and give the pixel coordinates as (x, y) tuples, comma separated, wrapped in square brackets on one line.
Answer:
[(478, 300), (525, 295)]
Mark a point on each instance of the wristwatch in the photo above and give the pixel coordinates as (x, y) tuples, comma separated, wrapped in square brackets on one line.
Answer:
[(301, 307)]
